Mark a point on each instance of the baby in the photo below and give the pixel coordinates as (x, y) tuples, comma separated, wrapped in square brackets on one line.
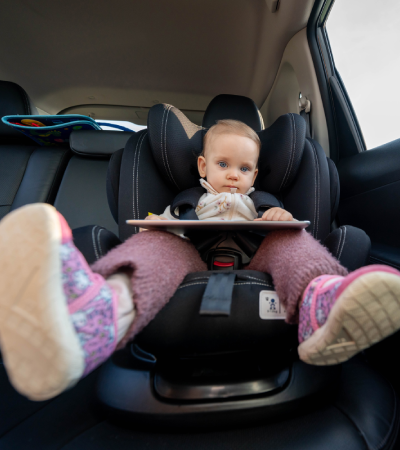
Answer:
[(229, 162), (60, 319)]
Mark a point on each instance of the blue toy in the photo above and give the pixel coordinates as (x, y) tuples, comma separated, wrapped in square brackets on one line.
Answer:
[(54, 130)]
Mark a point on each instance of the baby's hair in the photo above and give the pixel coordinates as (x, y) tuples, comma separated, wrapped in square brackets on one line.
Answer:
[(229, 126)]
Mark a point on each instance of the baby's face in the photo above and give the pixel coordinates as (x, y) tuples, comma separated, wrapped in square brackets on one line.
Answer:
[(230, 161)]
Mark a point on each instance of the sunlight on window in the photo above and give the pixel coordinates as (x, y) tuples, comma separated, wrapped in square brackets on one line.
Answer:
[(365, 36), (129, 125)]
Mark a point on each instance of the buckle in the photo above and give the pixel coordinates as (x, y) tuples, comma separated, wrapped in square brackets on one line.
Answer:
[(223, 258)]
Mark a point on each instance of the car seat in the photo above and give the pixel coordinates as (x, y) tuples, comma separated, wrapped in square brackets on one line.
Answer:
[(180, 342)]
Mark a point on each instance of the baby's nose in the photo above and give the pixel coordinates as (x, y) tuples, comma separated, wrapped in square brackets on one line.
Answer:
[(233, 175)]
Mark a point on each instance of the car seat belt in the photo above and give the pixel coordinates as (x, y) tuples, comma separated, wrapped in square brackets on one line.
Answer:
[(217, 298), (305, 108), (187, 201)]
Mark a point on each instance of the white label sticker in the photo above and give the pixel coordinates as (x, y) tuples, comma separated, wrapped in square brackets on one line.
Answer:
[(270, 306)]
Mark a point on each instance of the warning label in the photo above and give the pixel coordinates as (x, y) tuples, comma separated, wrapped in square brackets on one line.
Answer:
[(270, 306)]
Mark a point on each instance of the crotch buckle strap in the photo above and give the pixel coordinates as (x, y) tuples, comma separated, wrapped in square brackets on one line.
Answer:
[(217, 298)]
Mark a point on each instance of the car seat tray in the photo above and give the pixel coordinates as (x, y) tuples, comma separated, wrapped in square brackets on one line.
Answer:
[(183, 226)]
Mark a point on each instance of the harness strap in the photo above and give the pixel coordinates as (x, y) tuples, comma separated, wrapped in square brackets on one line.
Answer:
[(217, 298), (187, 201)]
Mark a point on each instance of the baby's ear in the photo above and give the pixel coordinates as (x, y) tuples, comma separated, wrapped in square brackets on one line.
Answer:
[(201, 165), (255, 175)]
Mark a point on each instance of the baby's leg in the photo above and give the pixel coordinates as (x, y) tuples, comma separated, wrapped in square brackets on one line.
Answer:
[(58, 319), (293, 258), (156, 262)]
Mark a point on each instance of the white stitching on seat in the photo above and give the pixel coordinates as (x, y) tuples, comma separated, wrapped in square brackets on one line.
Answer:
[(240, 283), (137, 175), (133, 180), (293, 152), (316, 187), (287, 168), (254, 278), (344, 239), (294, 148), (162, 140), (340, 240), (98, 241), (136, 164), (247, 276), (94, 243), (200, 278), (165, 148)]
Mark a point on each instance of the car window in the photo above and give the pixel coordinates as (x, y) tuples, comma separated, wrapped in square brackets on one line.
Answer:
[(123, 123), (364, 37)]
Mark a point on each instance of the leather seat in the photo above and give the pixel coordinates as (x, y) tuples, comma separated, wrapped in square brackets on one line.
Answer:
[(28, 173), (152, 378), (292, 167), (82, 195)]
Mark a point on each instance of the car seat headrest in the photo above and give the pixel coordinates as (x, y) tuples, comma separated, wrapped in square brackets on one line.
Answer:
[(176, 142), (98, 143), (282, 146), (234, 107), (13, 101)]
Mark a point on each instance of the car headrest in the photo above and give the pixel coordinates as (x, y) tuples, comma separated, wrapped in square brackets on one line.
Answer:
[(176, 143), (13, 100), (234, 107), (96, 143)]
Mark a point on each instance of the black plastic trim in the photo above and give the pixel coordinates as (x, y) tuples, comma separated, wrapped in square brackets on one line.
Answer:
[(320, 65)]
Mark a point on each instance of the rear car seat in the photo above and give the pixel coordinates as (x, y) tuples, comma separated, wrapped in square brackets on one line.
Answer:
[(82, 196), (28, 173)]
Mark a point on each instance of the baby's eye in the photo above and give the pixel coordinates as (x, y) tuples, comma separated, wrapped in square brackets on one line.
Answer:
[(244, 169), (222, 164)]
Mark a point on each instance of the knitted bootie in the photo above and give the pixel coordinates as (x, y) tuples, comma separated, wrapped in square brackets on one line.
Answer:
[(340, 316), (57, 318), (157, 263), (293, 258)]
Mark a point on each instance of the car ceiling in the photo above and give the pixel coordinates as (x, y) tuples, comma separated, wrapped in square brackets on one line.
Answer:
[(120, 56)]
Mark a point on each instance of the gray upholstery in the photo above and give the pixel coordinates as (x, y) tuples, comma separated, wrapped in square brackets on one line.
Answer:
[(28, 173), (82, 197)]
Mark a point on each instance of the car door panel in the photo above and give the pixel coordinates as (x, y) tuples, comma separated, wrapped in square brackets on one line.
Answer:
[(370, 199)]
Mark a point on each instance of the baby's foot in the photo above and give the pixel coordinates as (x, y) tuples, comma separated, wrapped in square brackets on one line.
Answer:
[(340, 316), (57, 317)]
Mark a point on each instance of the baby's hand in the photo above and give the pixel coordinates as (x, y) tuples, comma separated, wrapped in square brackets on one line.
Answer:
[(152, 217), (276, 214)]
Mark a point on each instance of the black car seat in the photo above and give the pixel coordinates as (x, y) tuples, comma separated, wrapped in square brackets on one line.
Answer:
[(162, 162), (28, 173)]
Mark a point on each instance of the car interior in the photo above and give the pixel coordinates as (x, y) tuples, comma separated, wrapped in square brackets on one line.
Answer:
[(192, 378)]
